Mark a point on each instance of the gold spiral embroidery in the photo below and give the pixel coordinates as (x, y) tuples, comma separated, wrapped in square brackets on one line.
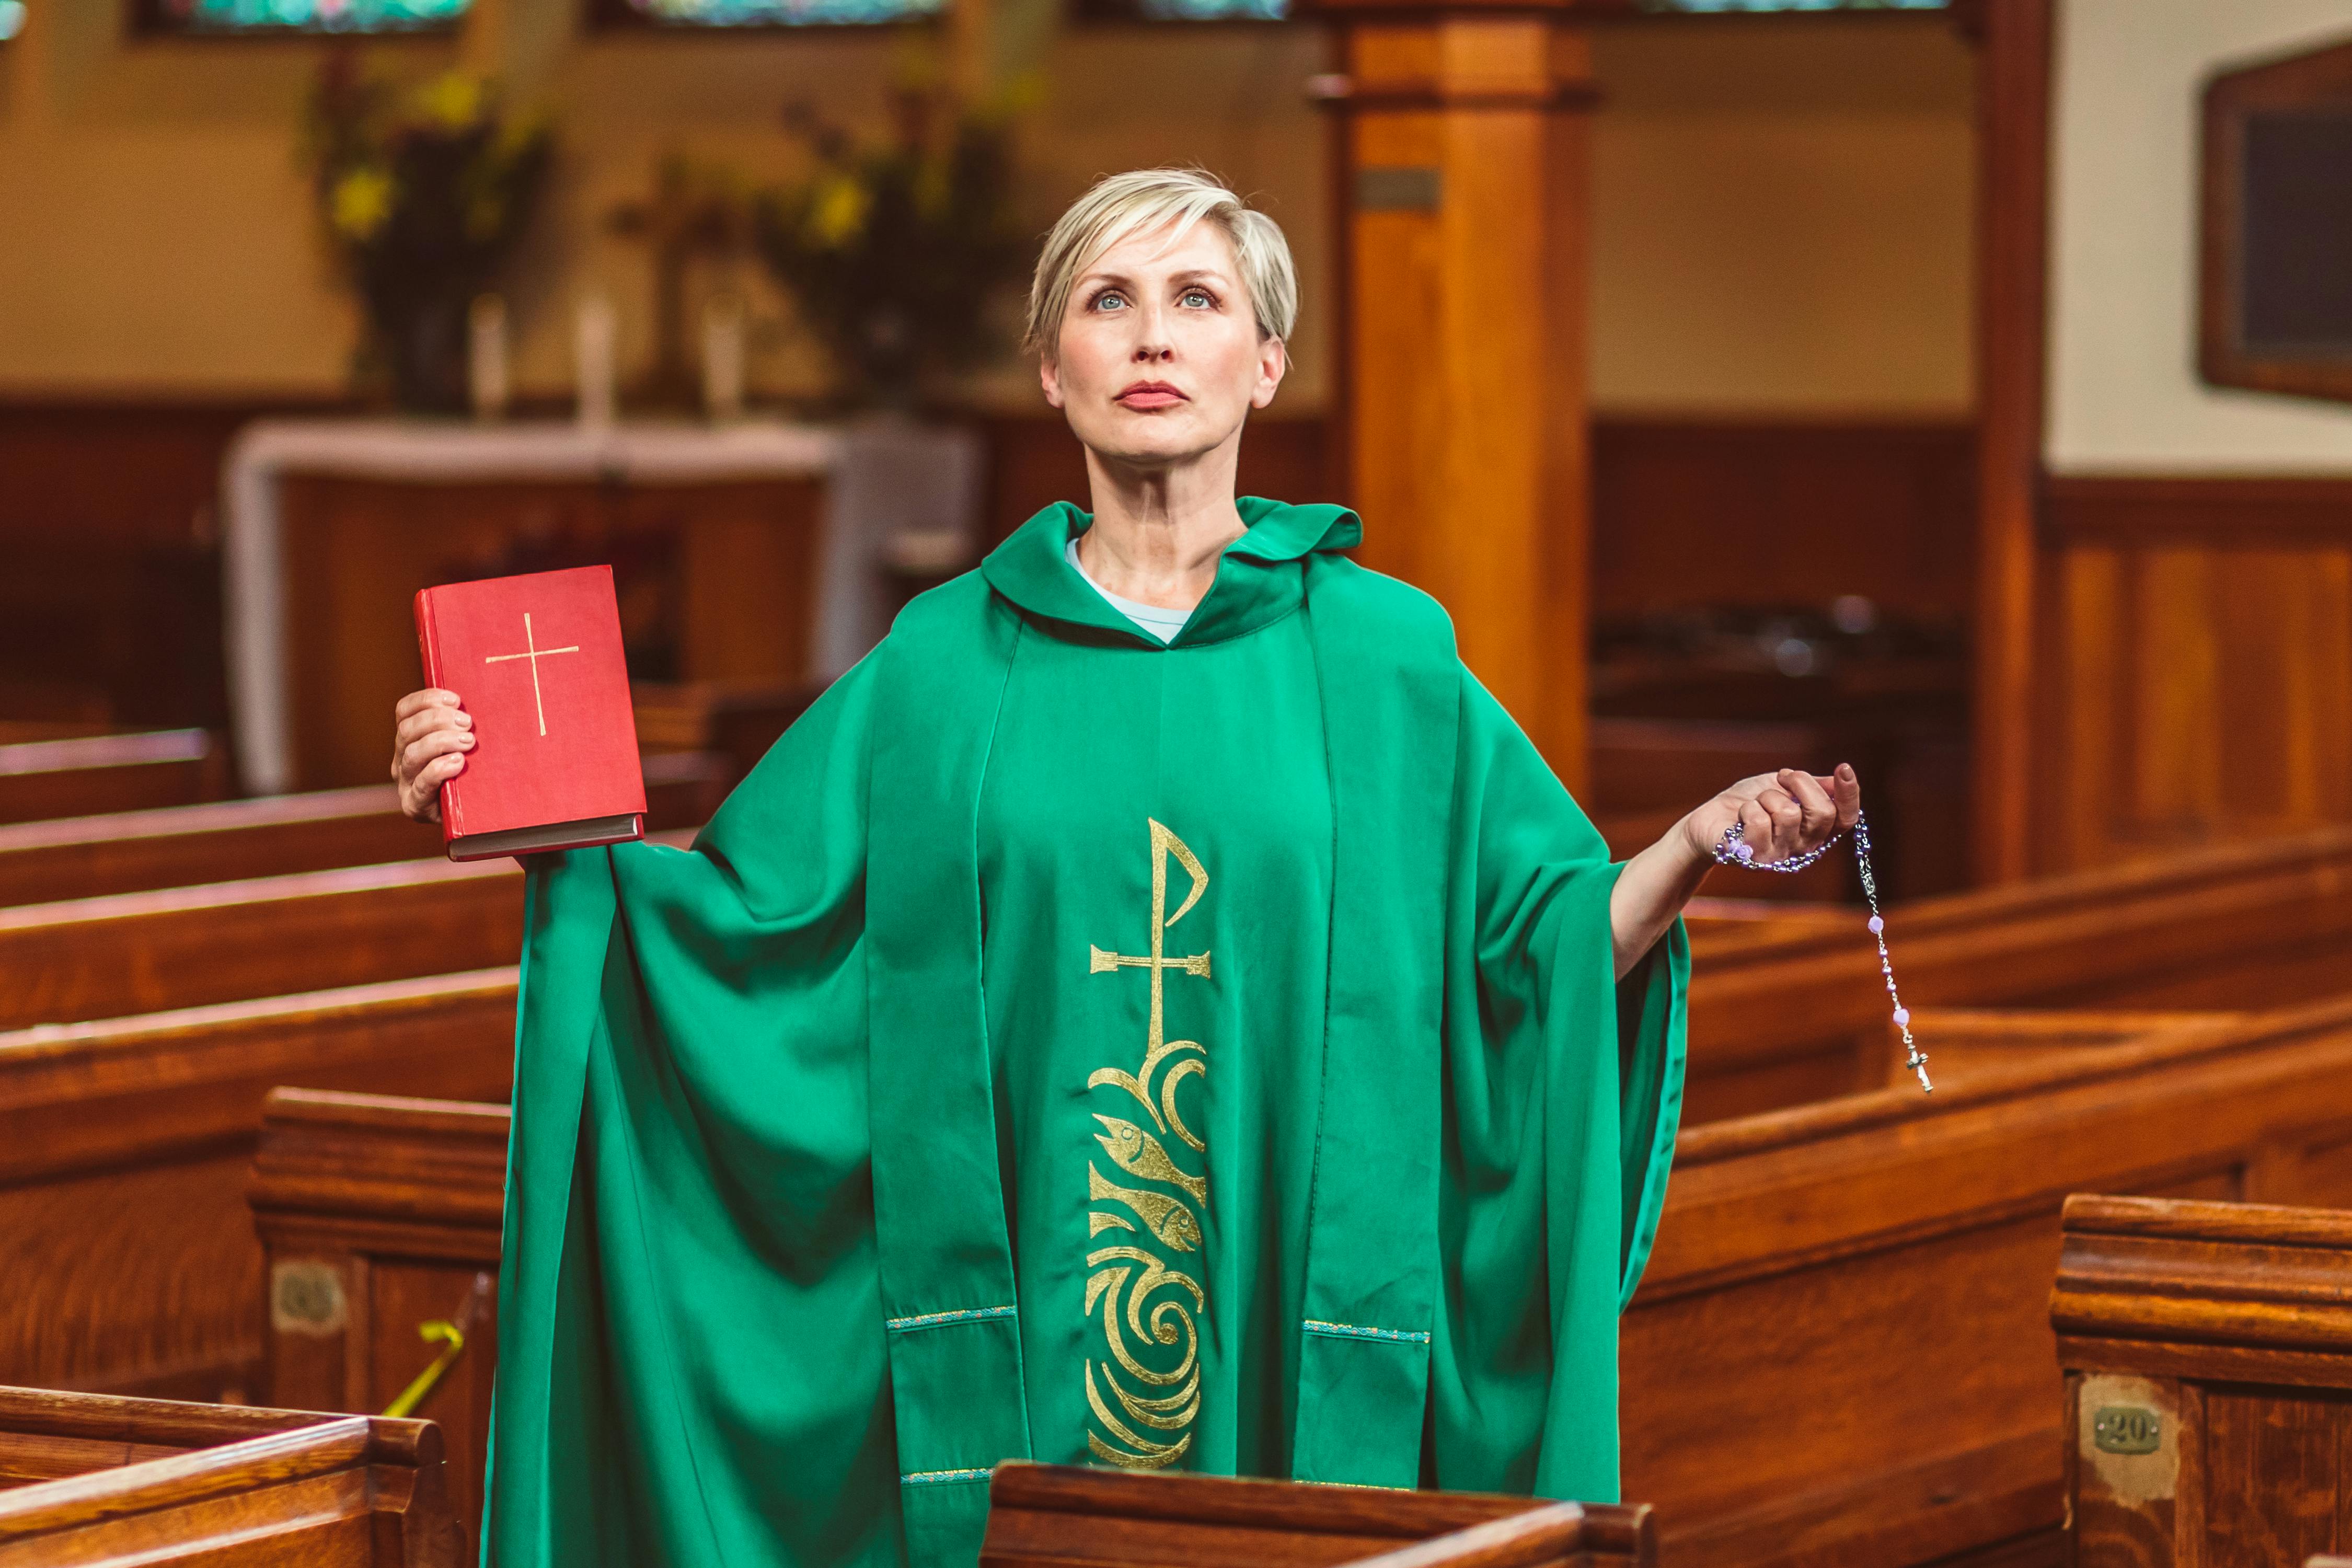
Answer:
[(1144, 1405)]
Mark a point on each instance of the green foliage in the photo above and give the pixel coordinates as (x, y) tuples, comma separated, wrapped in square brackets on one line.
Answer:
[(895, 251), (424, 195)]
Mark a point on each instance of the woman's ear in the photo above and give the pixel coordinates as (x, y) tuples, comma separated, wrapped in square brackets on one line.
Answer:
[(1273, 361), (1049, 376)]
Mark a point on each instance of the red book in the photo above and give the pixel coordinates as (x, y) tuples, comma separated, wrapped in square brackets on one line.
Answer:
[(537, 661)]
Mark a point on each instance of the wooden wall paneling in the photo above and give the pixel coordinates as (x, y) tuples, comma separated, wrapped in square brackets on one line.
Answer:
[(2203, 633), (2014, 93), (1885, 509), (2167, 766)]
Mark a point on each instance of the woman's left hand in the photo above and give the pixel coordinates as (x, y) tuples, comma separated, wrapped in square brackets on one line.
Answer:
[(1786, 814)]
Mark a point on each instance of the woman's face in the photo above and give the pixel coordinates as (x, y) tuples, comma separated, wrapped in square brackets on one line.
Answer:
[(1158, 358)]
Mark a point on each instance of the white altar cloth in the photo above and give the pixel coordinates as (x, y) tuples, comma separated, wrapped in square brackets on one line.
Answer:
[(885, 477)]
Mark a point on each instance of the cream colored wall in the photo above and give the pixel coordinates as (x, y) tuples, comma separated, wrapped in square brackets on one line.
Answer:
[(1782, 212), (2124, 391), (156, 235), (1783, 217)]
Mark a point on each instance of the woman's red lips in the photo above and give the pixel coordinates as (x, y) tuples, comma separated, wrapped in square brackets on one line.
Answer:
[(1150, 394)]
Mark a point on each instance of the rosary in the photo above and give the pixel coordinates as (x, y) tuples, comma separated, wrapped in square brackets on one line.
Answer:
[(1734, 850)]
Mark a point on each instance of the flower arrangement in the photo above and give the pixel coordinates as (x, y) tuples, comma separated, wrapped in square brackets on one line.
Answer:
[(424, 195), (895, 251)]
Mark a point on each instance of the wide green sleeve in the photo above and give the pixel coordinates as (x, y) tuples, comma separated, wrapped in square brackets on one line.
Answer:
[(1563, 1092), (692, 1361)]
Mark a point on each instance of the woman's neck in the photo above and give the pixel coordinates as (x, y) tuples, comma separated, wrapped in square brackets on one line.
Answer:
[(1159, 533)]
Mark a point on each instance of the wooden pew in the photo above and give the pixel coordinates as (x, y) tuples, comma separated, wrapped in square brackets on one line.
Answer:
[(108, 773), (183, 947), (91, 1480), (1841, 1352), (185, 846), (379, 1213), (125, 1148), (1783, 1011), (2208, 1356), (1068, 1516), (1839, 1355), (376, 1215)]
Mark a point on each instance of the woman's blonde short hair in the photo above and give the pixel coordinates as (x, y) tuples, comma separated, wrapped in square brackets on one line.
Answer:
[(1120, 206)]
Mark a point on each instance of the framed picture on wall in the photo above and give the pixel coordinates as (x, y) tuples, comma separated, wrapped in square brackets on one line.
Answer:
[(2275, 293)]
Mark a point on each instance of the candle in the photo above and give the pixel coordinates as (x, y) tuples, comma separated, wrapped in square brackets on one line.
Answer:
[(722, 357), (593, 337), (486, 359)]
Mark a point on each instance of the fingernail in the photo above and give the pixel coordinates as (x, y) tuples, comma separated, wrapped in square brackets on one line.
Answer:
[(467, 719), (465, 739)]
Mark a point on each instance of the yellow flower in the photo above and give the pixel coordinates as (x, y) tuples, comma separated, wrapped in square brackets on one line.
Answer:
[(453, 101), (361, 203), (839, 215)]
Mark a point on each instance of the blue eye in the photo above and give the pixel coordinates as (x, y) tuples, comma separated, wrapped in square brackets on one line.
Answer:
[(1202, 295), (1107, 297)]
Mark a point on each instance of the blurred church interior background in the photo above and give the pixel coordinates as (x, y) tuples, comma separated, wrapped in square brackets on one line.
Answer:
[(1954, 388)]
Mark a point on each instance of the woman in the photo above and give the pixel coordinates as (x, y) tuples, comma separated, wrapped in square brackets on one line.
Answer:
[(1158, 1010)]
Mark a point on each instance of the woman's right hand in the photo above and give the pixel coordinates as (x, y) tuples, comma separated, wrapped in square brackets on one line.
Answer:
[(430, 737)]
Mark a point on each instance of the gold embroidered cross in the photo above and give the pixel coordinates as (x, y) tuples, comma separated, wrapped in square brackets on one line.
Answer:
[(534, 653), (1099, 961)]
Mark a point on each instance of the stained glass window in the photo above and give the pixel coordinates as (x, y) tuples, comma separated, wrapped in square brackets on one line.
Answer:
[(278, 17), (12, 19), (1184, 10), (1759, 7), (684, 16)]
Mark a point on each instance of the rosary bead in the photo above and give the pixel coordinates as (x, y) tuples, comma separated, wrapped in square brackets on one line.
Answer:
[(1903, 1017), (1877, 926)]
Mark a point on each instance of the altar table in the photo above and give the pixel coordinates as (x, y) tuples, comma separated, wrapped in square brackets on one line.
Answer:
[(785, 573)]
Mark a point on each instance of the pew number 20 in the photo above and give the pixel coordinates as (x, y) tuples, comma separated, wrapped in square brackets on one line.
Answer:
[(2127, 1429)]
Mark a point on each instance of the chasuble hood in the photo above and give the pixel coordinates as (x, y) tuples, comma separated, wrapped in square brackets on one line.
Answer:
[(1069, 1046)]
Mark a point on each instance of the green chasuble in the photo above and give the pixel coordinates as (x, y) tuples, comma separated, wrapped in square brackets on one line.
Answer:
[(1070, 1047)]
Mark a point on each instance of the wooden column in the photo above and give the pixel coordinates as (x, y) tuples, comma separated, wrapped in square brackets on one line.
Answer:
[(1462, 191), (2013, 94)]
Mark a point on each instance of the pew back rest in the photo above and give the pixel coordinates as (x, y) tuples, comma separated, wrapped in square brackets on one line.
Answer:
[(1840, 1355), (108, 773), (1062, 1516), (1783, 1011), (105, 1479), (186, 846)]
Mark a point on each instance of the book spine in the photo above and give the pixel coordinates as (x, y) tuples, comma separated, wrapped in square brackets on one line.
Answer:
[(428, 651)]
